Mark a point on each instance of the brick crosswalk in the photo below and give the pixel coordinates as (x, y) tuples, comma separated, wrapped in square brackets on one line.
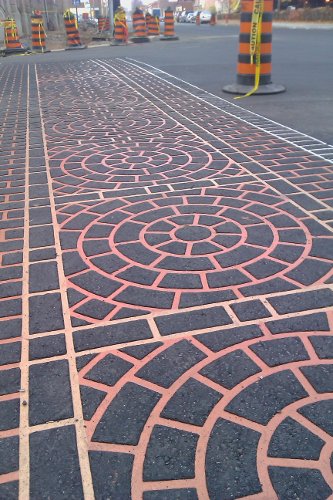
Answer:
[(165, 291)]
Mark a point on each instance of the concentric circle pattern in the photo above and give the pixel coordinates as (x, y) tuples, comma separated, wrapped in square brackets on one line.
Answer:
[(241, 415), (124, 143), (152, 163), (178, 251)]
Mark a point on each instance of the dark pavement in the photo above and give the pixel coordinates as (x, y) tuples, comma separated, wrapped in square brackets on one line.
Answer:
[(166, 287)]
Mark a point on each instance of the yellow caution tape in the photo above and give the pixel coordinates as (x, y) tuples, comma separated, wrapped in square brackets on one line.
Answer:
[(255, 43), (234, 6)]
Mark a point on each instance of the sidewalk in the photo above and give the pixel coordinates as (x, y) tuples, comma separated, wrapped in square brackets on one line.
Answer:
[(166, 294)]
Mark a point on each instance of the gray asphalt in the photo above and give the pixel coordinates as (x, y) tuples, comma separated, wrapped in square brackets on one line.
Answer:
[(207, 56)]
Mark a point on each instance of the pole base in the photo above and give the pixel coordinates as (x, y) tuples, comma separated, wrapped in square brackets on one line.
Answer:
[(140, 39), (39, 51), (107, 35), (270, 88), (76, 47), (168, 38), (21, 50), (117, 43)]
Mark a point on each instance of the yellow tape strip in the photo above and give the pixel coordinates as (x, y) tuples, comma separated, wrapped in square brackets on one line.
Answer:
[(255, 43)]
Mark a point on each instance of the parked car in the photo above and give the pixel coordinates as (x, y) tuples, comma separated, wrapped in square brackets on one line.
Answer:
[(183, 16), (189, 17), (177, 16), (193, 18), (205, 16), (88, 23)]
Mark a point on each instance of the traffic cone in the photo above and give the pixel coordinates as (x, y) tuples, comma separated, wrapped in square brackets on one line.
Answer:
[(152, 25), (12, 40), (103, 24), (155, 26), (103, 30), (212, 21), (169, 26), (255, 50), (147, 21), (139, 25), (73, 36), (120, 28), (38, 35)]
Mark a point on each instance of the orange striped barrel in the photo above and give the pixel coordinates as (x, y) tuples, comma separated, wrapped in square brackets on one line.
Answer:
[(139, 26), (246, 70), (139, 23), (73, 36), (147, 20), (120, 31), (247, 65), (153, 27), (103, 24), (120, 28), (38, 42), (169, 23), (12, 40)]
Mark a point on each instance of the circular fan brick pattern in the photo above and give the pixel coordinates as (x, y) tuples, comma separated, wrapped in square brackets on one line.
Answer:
[(180, 251), (227, 414), (109, 166)]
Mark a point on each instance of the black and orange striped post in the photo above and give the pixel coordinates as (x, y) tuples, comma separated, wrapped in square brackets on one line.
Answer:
[(38, 35), (255, 50), (152, 25), (139, 26), (169, 26), (73, 36), (120, 28), (212, 21), (103, 24), (147, 20), (12, 39)]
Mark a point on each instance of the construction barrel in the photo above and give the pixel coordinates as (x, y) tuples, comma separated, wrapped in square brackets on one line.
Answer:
[(12, 39), (120, 28), (73, 36), (169, 26), (38, 35), (139, 26)]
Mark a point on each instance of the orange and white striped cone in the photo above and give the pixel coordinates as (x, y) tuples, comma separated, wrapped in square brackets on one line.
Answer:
[(72, 32), (12, 39), (139, 26), (120, 28), (38, 35), (255, 50), (169, 26)]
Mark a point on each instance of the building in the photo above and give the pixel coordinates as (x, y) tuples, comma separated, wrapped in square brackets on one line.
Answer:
[(178, 5)]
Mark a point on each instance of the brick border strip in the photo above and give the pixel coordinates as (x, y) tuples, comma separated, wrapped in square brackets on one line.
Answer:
[(299, 139)]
